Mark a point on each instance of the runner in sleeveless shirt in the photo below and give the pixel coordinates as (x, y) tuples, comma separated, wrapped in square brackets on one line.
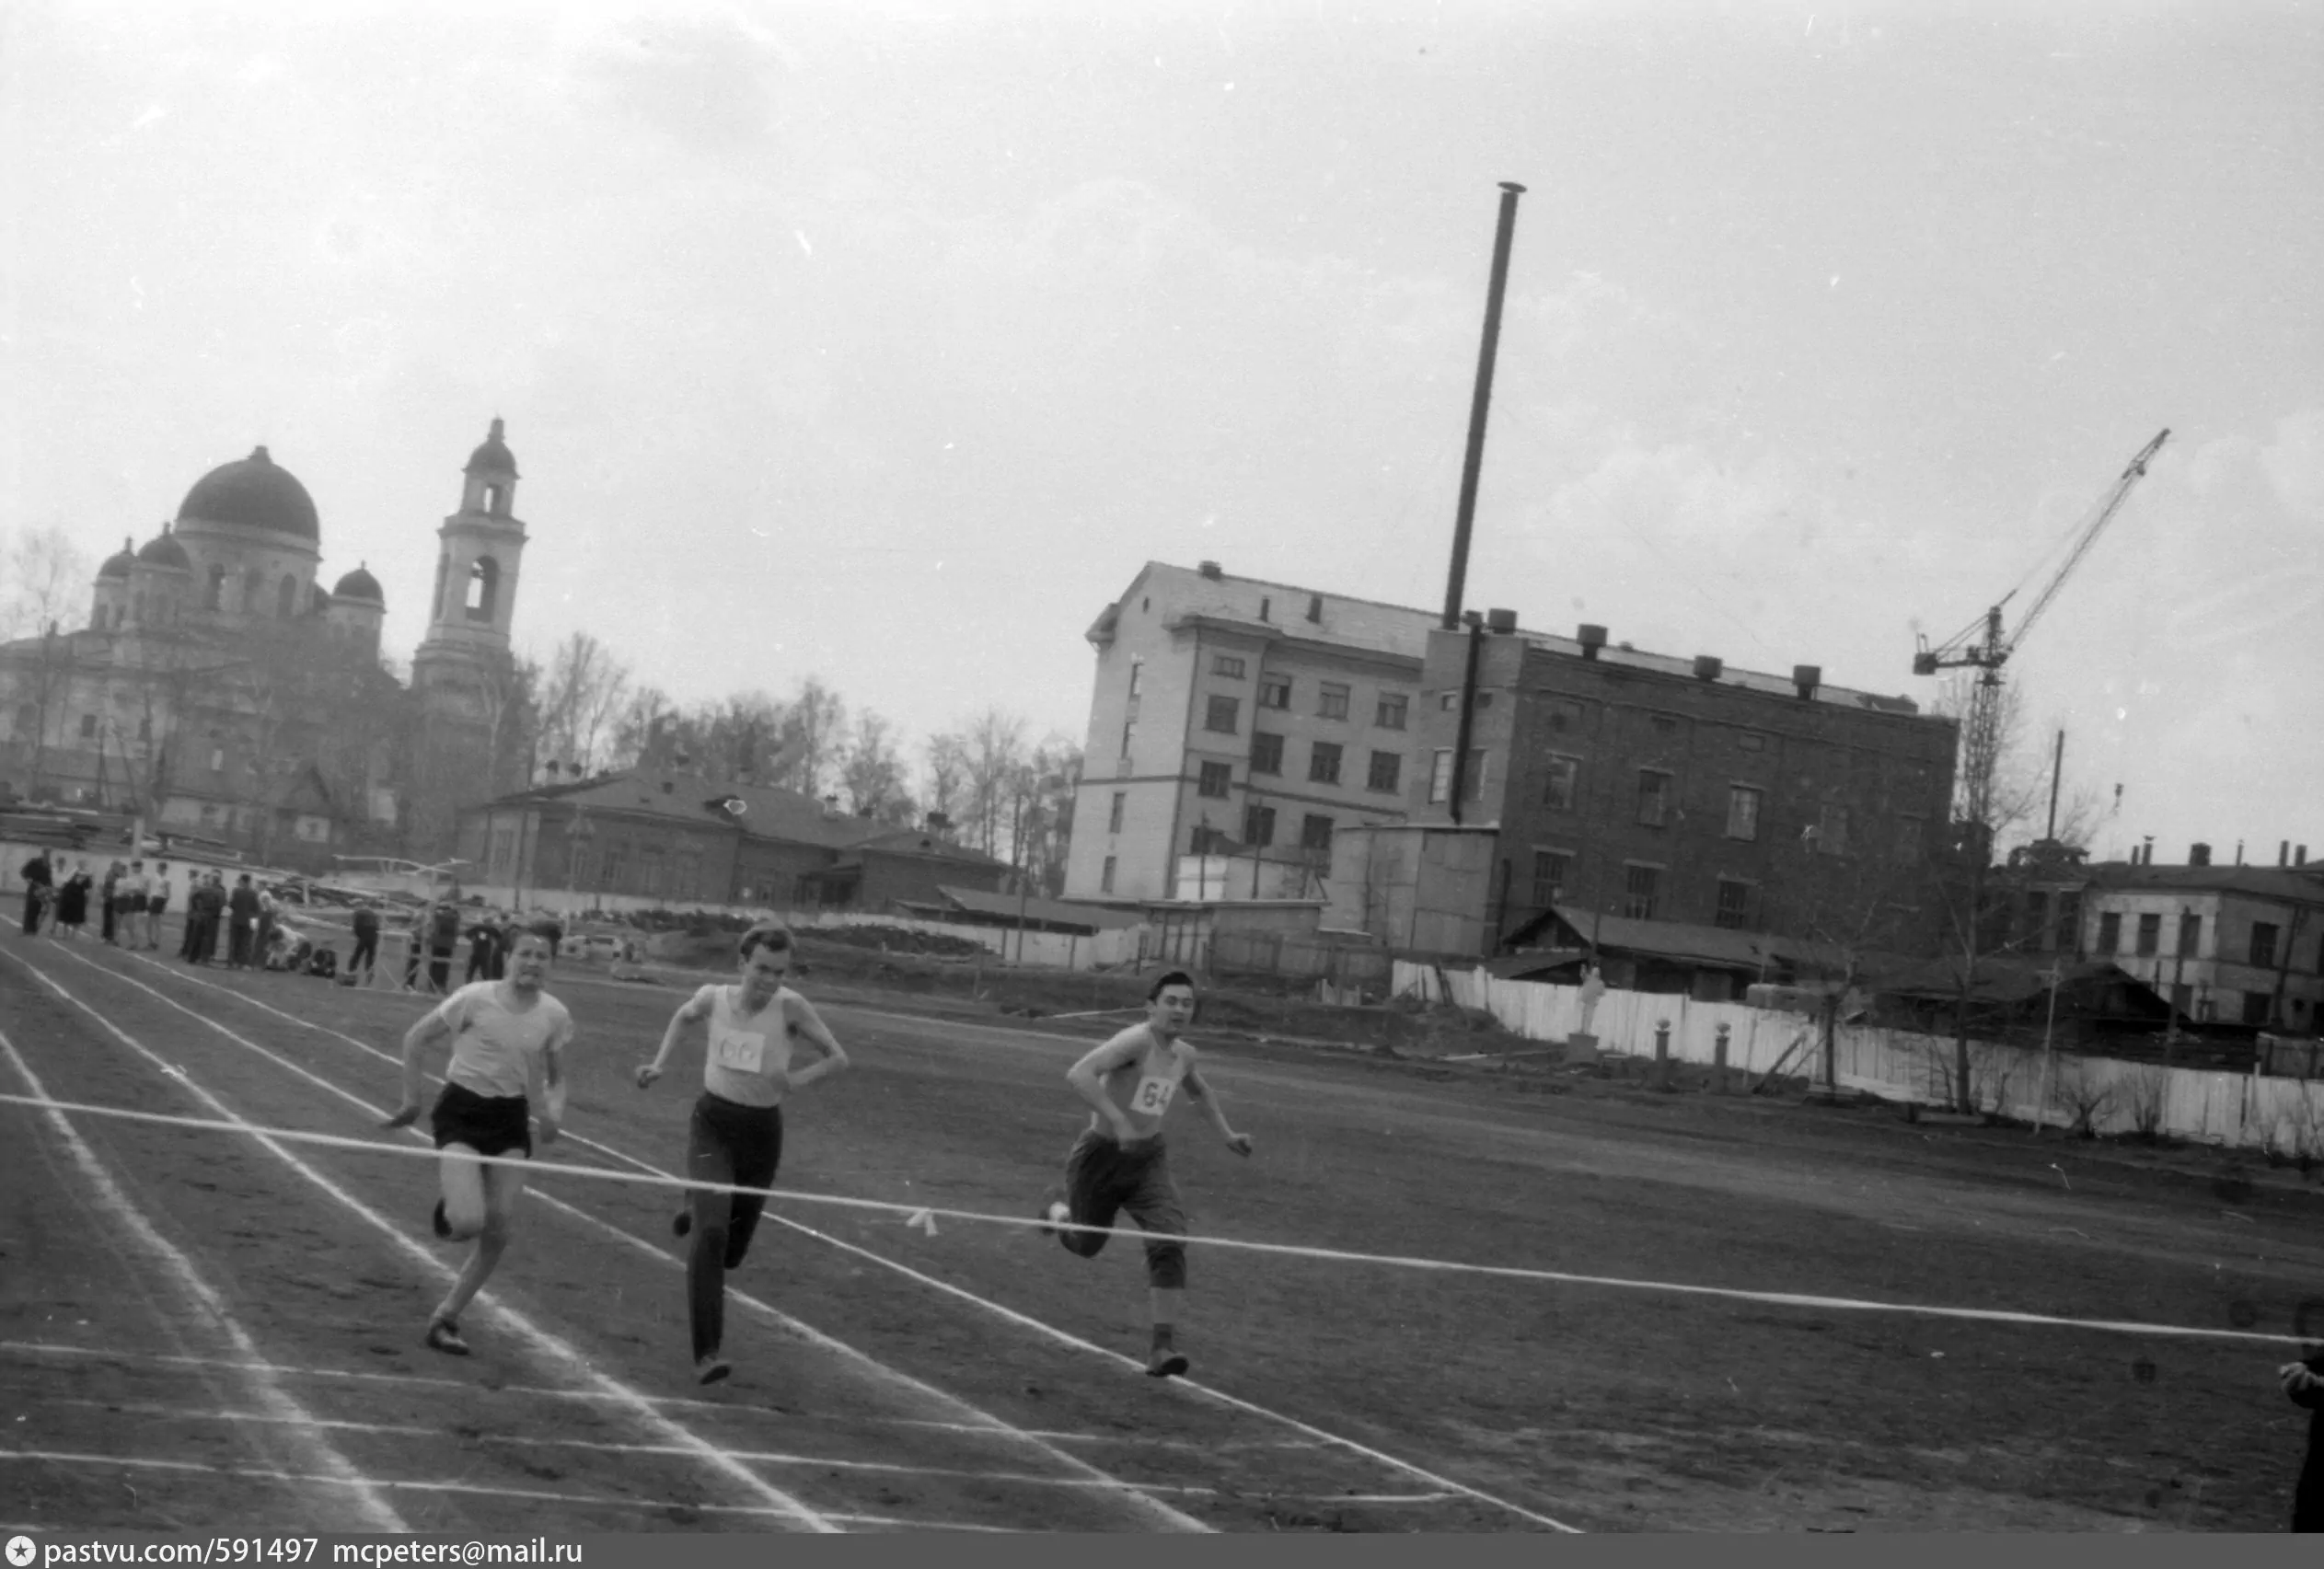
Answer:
[(1119, 1163), (735, 1137), (508, 1041)]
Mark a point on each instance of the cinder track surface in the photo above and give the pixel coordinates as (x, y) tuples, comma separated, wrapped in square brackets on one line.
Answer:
[(979, 1378)]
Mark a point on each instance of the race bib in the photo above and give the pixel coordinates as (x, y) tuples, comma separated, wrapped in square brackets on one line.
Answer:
[(739, 1051), (1153, 1095)]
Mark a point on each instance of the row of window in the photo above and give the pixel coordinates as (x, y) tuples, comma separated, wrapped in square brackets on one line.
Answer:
[(2263, 953), (1325, 761), (1658, 791), (1224, 714)]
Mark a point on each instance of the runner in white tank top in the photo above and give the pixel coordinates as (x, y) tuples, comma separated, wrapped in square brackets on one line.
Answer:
[(508, 1040), (735, 1136)]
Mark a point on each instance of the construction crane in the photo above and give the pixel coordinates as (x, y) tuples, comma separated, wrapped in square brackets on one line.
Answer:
[(1981, 739)]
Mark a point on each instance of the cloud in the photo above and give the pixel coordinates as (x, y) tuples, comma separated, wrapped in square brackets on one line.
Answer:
[(2294, 463), (706, 81)]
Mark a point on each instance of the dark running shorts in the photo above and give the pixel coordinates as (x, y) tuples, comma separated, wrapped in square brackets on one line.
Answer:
[(489, 1124), (134, 904)]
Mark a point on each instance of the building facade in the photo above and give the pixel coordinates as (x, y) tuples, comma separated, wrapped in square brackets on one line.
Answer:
[(2225, 944), (1235, 727), (660, 837), (1617, 782), (220, 693)]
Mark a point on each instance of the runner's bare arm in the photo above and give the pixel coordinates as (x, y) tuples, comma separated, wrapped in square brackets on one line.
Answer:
[(1088, 1079), (417, 1040), (692, 1011), (1198, 1088), (548, 1091), (807, 1023)]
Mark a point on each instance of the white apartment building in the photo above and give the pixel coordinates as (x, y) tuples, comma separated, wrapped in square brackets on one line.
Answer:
[(1230, 715)]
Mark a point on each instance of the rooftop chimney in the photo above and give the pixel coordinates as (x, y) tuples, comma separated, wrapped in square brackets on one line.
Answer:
[(2284, 852), (1591, 639), (2238, 852), (1707, 667), (1316, 607), (2197, 855), (2299, 856), (1806, 678), (1472, 619), (1500, 620), (1210, 569)]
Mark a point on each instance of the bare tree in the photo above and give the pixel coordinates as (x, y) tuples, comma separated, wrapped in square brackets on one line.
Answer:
[(585, 687), (994, 760), (46, 577), (813, 736), (945, 757), (639, 738), (1050, 778), (872, 772)]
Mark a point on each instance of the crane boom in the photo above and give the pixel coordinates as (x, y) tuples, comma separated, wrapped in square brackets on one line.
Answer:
[(1996, 648), (2114, 500)]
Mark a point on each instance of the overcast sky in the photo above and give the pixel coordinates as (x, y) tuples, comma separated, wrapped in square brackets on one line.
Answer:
[(886, 343)]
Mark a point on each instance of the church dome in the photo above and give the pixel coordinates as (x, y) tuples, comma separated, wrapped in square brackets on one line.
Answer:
[(492, 456), (162, 550), (116, 565), (254, 493), (361, 585)]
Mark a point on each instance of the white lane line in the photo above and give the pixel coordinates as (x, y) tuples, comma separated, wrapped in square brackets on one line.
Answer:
[(1050, 1332), (1044, 1329), (469, 1488), (560, 1352), (1144, 1504), (682, 1403), (755, 1457), (371, 1504)]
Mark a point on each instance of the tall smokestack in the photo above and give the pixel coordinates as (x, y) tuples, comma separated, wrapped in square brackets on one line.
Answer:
[(1457, 582)]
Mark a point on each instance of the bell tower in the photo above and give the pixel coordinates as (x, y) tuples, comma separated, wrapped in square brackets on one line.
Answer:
[(482, 548)]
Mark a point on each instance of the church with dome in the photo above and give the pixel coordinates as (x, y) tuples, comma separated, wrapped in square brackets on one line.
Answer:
[(218, 691)]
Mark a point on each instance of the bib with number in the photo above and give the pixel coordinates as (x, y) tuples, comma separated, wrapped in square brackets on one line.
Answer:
[(1153, 1095), (739, 1051)]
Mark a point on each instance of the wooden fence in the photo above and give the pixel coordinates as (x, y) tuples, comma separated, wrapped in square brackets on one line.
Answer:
[(2244, 1110)]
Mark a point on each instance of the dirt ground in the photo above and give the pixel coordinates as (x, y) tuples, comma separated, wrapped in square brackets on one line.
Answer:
[(976, 1378)]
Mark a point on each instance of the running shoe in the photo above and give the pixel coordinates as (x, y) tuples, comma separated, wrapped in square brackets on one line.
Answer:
[(1166, 1364), (444, 1335), (710, 1369), (1055, 1213), (682, 1222)]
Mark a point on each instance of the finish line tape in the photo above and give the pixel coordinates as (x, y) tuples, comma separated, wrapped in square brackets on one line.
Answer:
[(922, 1216)]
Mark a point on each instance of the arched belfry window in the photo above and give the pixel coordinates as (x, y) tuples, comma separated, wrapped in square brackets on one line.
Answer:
[(492, 500), (484, 586), (253, 584), (215, 598), (287, 598)]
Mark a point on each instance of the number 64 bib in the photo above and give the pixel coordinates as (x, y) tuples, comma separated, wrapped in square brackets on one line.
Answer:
[(740, 1051), (1153, 1097)]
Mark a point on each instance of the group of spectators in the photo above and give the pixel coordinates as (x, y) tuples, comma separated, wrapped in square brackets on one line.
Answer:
[(436, 930), (129, 902), (254, 925)]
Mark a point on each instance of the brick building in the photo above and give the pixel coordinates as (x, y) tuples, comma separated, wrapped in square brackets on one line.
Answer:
[(659, 838), (1591, 778), (1254, 740)]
